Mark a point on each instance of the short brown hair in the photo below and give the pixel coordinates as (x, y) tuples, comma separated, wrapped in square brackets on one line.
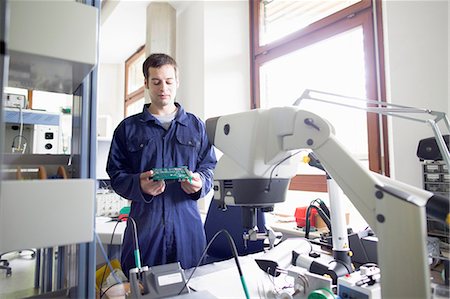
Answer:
[(157, 60)]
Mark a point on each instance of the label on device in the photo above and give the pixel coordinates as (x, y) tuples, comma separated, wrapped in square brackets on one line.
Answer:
[(170, 279)]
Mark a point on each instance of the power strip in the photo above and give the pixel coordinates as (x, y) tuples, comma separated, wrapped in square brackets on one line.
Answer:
[(109, 204)]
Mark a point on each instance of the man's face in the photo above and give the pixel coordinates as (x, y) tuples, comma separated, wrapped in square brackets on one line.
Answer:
[(162, 85)]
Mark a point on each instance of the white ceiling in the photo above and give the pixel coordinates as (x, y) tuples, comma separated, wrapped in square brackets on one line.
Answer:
[(123, 28)]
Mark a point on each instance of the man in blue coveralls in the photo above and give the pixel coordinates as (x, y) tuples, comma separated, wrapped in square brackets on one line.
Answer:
[(164, 135)]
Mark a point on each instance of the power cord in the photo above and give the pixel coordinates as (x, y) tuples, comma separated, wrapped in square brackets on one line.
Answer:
[(276, 165), (324, 214), (137, 255), (108, 263), (230, 242), (20, 148), (20, 135), (107, 259), (235, 254)]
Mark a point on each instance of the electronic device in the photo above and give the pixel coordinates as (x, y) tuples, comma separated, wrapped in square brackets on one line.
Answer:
[(173, 173), (32, 132), (428, 148), (45, 139), (305, 282), (157, 282), (364, 283), (257, 172), (34, 139), (109, 204), (15, 101)]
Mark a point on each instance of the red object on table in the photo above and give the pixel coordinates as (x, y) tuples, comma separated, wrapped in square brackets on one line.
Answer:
[(300, 216)]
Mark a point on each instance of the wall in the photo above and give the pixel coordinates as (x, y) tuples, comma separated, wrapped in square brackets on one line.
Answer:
[(227, 57), (190, 57), (111, 92), (213, 56), (416, 48), (213, 53)]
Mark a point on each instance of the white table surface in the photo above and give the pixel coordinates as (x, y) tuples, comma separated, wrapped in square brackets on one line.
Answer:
[(104, 228)]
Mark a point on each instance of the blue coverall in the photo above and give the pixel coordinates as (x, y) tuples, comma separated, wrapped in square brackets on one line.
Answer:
[(169, 226)]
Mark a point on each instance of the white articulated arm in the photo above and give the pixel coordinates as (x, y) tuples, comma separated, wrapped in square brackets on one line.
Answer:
[(313, 132), (395, 211)]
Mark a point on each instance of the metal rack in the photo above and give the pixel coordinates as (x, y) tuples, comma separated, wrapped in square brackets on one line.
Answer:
[(51, 72), (436, 179)]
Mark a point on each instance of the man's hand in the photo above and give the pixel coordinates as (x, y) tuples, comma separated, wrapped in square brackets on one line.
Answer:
[(150, 186), (194, 186)]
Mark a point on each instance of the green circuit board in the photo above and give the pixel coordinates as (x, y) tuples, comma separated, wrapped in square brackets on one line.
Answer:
[(172, 173)]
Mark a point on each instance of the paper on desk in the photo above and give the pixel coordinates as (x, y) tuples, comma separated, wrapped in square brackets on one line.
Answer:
[(227, 284), (102, 219), (225, 281)]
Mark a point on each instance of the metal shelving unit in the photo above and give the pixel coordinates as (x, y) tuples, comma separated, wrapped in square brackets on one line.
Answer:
[(49, 70), (436, 179)]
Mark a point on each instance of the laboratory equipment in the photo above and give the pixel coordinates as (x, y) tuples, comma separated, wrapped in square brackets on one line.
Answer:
[(109, 203), (305, 282), (32, 131), (256, 173), (428, 148), (436, 178), (15, 101), (157, 281), (361, 284)]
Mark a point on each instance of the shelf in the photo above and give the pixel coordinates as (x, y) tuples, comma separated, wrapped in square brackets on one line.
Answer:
[(53, 44), (31, 117)]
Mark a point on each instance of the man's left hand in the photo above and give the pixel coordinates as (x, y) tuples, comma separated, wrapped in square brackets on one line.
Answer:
[(192, 186)]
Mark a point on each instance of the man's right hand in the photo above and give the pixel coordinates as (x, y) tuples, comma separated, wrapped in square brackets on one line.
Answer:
[(150, 186)]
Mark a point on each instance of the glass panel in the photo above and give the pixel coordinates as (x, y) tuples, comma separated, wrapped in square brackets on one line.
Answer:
[(279, 18), (334, 65), (135, 107)]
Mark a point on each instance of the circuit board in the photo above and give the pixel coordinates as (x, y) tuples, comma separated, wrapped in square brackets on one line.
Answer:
[(173, 173)]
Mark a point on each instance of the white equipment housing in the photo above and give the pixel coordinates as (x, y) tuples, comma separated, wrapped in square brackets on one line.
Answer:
[(254, 141)]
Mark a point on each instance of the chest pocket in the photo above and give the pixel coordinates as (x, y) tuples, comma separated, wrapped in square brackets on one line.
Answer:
[(136, 149), (188, 146)]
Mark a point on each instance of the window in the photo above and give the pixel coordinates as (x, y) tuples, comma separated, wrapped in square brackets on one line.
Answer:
[(281, 18), (134, 82), (327, 46)]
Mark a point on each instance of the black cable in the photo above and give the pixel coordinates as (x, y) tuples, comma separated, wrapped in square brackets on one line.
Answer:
[(104, 272), (322, 214), (17, 136), (323, 206), (276, 165), (323, 211), (307, 226), (101, 295), (233, 248)]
